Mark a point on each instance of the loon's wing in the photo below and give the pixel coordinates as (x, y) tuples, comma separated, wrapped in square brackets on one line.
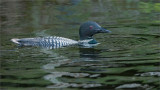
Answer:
[(51, 42)]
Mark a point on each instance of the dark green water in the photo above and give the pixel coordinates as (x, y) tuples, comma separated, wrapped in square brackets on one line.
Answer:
[(128, 58)]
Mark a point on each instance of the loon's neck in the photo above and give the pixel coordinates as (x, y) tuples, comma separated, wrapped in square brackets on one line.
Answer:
[(93, 41), (88, 41)]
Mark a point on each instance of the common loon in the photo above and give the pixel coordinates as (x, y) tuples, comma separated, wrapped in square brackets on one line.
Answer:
[(86, 32)]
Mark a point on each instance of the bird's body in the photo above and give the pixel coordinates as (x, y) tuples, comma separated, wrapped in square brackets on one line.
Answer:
[(50, 41), (87, 30)]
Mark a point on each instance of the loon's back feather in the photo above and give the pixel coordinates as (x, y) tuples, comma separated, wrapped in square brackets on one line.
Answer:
[(51, 42)]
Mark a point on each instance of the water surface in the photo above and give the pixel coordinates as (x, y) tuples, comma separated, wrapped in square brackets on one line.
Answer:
[(128, 58)]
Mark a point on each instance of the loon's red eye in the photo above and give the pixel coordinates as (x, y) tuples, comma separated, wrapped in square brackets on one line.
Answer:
[(90, 27)]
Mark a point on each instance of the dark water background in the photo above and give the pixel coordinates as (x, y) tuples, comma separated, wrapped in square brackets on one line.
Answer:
[(128, 58)]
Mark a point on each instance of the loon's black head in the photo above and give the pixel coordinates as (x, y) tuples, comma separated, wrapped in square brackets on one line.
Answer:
[(88, 29)]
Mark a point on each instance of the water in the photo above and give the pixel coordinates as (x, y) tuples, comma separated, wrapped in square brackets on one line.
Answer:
[(128, 58)]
